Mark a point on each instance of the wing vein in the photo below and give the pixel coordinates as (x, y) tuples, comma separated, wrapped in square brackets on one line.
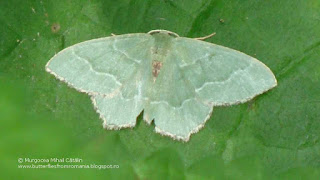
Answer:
[(93, 70), (125, 54), (195, 61), (225, 80)]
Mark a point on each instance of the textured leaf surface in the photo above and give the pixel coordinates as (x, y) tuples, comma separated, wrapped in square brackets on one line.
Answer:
[(276, 134)]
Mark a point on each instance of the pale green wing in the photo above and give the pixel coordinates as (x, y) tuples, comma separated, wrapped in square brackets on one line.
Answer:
[(121, 108), (101, 66), (117, 112), (172, 102), (178, 122), (220, 75), (197, 76), (118, 72)]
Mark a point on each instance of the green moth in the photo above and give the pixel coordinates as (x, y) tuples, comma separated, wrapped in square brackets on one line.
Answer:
[(174, 80)]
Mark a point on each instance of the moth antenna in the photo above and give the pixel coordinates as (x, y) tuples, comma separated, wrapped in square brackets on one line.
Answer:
[(205, 37)]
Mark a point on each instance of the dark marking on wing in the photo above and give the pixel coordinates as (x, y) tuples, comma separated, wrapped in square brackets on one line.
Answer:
[(156, 66)]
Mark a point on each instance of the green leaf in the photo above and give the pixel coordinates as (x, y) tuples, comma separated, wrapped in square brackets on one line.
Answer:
[(275, 135)]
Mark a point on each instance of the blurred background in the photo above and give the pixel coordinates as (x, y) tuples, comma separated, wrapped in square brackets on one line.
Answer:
[(274, 136)]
